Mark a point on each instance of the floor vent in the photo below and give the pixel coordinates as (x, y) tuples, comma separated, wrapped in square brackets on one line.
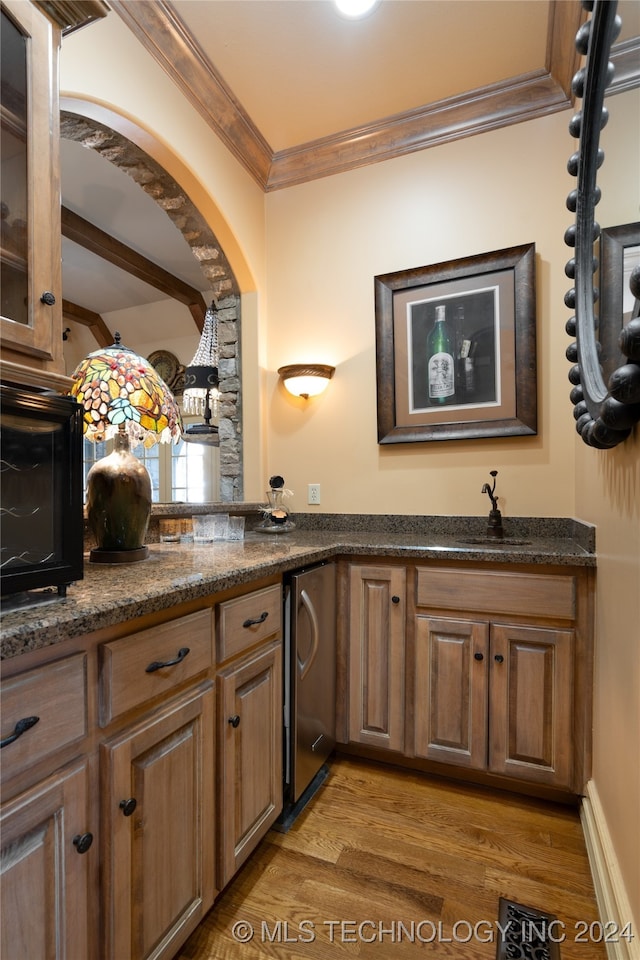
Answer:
[(526, 933)]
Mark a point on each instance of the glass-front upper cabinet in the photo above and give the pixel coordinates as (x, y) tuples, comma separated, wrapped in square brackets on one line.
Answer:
[(30, 290)]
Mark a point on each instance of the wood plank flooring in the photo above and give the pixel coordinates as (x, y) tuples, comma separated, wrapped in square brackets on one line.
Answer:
[(390, 863)]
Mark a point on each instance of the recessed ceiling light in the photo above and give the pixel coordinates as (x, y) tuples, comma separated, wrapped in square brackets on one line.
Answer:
[(356, 8)]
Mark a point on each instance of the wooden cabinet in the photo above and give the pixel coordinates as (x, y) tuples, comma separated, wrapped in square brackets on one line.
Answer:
[(250, 717), (49, 705), (450, 698), (157, 785), (501, 673), (495, 697), (485, 668), (114, 796), (377, 611), (30, 327), (158, 827), (531, 698), (48, 859), (142, 667)]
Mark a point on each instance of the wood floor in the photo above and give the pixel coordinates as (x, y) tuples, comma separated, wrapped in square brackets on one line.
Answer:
[(389, 863)]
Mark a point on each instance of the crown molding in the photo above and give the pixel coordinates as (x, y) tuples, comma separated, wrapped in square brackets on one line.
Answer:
[(488, 108), (70, 15), (164, 35), (161, 31), (625, 57)]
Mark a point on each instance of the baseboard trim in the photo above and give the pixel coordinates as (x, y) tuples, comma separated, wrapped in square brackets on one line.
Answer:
[(613, 903)]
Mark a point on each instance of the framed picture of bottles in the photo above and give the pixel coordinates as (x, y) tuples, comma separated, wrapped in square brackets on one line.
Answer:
[(456, 349)]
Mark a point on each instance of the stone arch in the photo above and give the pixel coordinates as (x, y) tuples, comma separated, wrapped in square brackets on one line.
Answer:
[(152, 177)]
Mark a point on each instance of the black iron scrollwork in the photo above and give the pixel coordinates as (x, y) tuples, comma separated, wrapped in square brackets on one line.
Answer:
[(604, 415)]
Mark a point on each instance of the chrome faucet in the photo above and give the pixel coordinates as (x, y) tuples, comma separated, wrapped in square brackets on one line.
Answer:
[(494, 529)]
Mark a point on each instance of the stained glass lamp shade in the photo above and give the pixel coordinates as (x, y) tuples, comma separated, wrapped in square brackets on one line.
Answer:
[(123, 397)]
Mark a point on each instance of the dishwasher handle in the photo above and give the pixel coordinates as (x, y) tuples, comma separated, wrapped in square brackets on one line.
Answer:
[(305, 665)]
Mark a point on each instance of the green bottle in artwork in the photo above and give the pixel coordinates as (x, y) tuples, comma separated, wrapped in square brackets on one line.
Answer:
[(441, 369)]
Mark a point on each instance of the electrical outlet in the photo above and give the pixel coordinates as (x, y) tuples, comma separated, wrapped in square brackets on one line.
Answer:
[(313, 495)]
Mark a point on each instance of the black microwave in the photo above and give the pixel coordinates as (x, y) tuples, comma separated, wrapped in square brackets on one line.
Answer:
[(41, 523)]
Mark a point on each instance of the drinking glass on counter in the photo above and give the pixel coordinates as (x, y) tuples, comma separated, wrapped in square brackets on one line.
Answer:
[(169, 531), (236, 528), (220, 526), (203, 528)]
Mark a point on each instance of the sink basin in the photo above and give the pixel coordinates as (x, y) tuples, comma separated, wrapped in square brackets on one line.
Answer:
[(496, 541)]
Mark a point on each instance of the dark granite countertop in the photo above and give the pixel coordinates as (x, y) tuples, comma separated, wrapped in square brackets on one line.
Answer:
[(174, 573)]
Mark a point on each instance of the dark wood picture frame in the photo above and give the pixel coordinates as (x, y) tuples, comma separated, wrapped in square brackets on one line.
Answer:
[(493, 297), (615, 242)]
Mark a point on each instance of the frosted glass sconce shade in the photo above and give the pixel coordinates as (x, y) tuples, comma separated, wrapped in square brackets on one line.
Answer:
[(306, 379)]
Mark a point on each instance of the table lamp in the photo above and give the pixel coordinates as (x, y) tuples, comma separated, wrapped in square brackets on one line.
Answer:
[(122, 397)]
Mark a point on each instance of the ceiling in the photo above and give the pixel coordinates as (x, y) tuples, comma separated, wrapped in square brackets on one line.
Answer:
[(302, 71), (301, 82)]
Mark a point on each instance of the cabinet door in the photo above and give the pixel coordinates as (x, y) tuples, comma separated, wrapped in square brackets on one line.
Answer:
[(158, 828), (30, 240), (531, 704), (250, 732), (450, 707), (46, 878), (377, 653)]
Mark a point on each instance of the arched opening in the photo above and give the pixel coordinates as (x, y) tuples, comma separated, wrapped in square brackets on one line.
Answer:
[(97, 129)]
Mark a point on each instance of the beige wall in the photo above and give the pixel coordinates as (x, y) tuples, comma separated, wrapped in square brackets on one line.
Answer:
[(317, 252), (325, 243), (608, 495)]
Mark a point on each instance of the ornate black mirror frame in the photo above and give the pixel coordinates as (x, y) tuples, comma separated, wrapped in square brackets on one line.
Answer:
[(604, 416)]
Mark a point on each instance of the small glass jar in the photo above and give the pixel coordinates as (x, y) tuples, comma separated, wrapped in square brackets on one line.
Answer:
[(277, 513)]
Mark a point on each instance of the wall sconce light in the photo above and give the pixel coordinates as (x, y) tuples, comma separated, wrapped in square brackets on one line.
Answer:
[(306, 379)]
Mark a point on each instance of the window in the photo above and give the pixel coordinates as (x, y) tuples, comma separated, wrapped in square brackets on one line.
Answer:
[(181, 472)]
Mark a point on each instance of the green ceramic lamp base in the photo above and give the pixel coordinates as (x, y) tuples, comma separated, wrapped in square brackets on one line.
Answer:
[(118, 505)]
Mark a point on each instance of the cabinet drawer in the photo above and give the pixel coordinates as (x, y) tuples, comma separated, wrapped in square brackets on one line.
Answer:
[(497, 592), (56, 693), (126, 680), (248, 620)]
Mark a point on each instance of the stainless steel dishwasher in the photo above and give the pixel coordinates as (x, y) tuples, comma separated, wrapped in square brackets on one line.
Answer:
[(310, 677)]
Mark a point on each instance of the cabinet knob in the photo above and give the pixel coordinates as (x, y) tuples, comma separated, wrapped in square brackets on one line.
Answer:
[(498, 658), (478, 656), (128, 806), (395, 599), (234, 721), (48, 298), (82, 842)]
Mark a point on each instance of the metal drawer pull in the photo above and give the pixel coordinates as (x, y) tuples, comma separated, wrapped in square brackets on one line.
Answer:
[(499, 658), (82, 842), (478, 656), (21, 727), (158, 665), (234, 721), (128, 806), (261, 619), (395, 599)]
